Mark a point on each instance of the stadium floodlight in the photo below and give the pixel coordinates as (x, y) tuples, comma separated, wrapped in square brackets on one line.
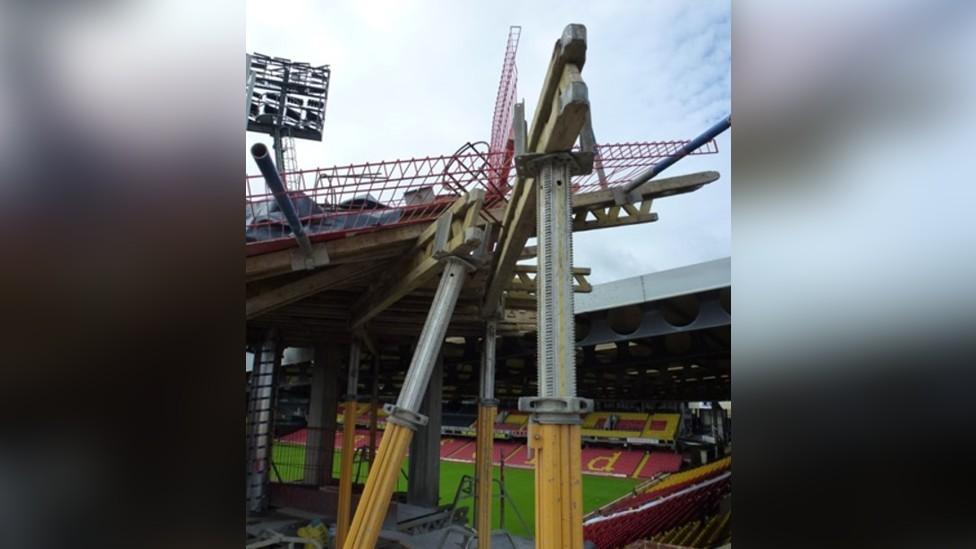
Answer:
[(287, 98)]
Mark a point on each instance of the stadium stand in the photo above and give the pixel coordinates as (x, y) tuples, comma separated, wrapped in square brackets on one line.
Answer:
[(363, 417), (662, 427), (694, 474), (452, 445), (610, 461), (627, 425), (361, 410), (298, 437), (657, 463), (709, 532), (501, 450), (676, 500), (361, 439), (512, 421), (520, 458), (458, 420), (673, 483)]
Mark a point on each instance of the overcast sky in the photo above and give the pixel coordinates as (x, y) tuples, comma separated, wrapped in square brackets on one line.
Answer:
[(420, 78)]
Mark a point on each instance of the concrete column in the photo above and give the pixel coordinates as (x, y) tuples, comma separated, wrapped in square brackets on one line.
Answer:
[(322, 409), (424, 472)]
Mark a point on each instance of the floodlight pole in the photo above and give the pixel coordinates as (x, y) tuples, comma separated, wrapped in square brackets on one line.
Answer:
[(249, 90), (487, 410), (279, 148), (348, 445), (404, 417)]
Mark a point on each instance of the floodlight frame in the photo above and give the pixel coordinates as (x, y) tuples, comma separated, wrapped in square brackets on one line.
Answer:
[(300, 88)]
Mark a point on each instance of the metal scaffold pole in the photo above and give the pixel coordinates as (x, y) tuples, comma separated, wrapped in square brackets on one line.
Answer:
[(348, 445), (487, 410), (554, 429), (404, 418), (267, 361)]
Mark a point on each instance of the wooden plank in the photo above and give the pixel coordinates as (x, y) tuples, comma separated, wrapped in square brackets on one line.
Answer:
[(343, 250), (613, 216), (423, 262), (514, 236), (570, 48), (524, 279), (655, 188), (559, 130), (315, 282), (568, 113)]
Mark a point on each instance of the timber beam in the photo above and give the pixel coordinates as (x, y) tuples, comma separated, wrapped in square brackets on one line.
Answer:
[(657, 188), (560, 115), (599, 210), (308, 285), (363, 247), (454, 233), (595, 210), (525, 279)]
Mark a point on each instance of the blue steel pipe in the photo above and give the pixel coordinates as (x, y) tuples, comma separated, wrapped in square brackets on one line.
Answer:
[(666, 163), (260, 153)]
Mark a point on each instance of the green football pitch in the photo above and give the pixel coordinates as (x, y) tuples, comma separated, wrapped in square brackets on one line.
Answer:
[(519, 483)]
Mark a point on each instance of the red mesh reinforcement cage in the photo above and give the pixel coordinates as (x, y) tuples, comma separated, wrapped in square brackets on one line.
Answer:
[(501, 122), (343, 200)]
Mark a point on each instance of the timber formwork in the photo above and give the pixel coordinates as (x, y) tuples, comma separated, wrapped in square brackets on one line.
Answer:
[(458, 276)]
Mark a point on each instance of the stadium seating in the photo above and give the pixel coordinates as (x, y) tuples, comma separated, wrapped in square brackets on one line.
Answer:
[(361, 408), (699, 472), (513, 421), (363, 417), (361, 439), (298, 437), (709, 532), (452, 445), (520, 458), (501, 450), (675, 482), (657, 463), (629, 424), (662, 427), (610, 461), (680, 498)]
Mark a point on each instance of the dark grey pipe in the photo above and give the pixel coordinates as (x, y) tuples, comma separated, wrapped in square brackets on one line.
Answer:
[(666, 163), (260, 153)]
